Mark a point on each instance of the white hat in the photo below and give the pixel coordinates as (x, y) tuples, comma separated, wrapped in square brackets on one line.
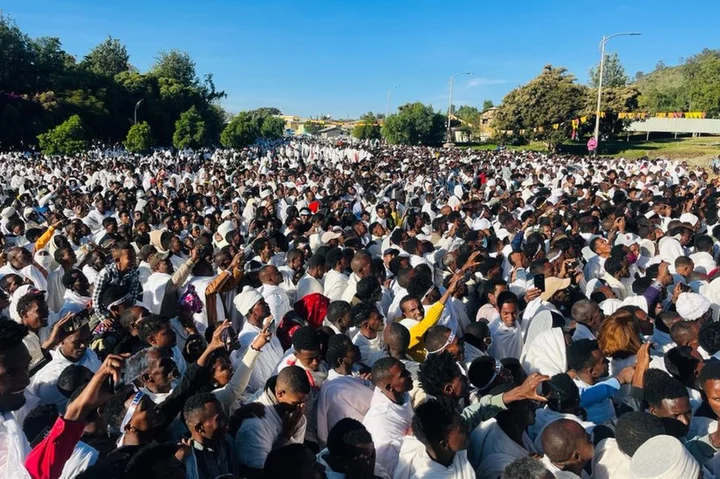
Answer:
[(225, 214), (663, 457), (140, 206), (692, 306), (7, 212), (246, 300), (265, 193), (689, 218), (329, 236), (223, 230), (481, 224)]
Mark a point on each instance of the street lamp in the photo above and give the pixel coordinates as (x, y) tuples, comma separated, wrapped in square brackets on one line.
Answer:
[(387, 109), (137, 105), (600, 82), (452, 80)]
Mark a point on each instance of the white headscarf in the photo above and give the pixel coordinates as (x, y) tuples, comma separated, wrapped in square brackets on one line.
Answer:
[(546, 353)]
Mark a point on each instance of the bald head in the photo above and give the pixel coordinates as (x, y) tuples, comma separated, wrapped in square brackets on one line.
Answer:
[(269, 275), (562, 439), (360, 264), (397, 338)]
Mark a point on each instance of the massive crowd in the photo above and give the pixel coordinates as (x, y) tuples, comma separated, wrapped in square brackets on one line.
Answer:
[(315, 309)]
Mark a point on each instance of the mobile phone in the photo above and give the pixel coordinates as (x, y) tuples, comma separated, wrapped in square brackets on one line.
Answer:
[(539, 281), (229, 339), (133, 369), (79, 320)]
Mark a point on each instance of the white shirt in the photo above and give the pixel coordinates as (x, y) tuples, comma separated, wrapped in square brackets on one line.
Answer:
[(258, 436), (14, 448), (335, 284), (370, 349), (341, 397), (415, 463), (351, 288), (704, 262), (308, 285), (271, 354), (388, 423), (276, 299), (507, 340), (43, 384)]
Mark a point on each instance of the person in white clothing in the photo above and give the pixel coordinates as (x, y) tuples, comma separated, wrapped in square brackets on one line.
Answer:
[(73, 349), (14, 378), (253, 307), (350, 451), (274, 296), (369, 338), (283, 422), (568, 448), (507, 341), (361, 265), (335, 281), (311, 282), (390, 415), (438, 446)]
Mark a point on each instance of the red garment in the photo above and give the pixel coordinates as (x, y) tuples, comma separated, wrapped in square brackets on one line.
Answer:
[(47, 459), (313, 309), (314, 206)]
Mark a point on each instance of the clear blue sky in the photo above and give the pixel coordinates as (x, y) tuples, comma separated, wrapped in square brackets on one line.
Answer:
[(341, 57)]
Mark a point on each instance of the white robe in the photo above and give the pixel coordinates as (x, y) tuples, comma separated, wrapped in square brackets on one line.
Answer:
[(609, 462), (341, 397), (507, 341), (56, 290), (154, 291), (277, 301), (43, 384), (14, 448), (258, 436), (370, 349), (491, 450), (82, 457), (308, 285), (334, 285), (269, 358), (415, 463), (546, 354), (388, 423)]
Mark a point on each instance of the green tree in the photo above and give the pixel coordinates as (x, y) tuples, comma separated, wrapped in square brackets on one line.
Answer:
[(487, 104), (175, 65), (139, 138), (68, 138), (551, 97), (272, 127), (108, 58), (243, 130), (613, 73), (17, 58), (414, 124), (367, 127), (702, 73), (189, 130), (312, 127)]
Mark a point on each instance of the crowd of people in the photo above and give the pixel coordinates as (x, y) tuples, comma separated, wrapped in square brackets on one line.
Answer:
[(311, 309)]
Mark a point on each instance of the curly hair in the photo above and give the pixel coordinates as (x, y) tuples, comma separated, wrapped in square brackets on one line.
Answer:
[(619, 335), (659, 386), (345, 435), (437, 371), (11, 334), (634, 429), (709, 337), (433, 419), (23, 305)]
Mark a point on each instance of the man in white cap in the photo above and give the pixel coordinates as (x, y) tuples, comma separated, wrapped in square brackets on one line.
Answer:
[(664, 457), (694, 307), (253, 307)]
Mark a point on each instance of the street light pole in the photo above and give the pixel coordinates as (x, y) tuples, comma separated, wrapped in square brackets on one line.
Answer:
[(137, 105), (600, 82), (448, 134), (387, 109)]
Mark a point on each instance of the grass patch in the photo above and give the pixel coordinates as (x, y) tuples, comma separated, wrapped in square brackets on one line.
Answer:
[(697, 151)]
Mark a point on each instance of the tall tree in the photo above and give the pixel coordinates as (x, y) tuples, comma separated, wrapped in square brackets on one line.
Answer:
[(550, 98), (414, 124), (487, 104), (175, 65), (17, 58), (367, 127), (108, 58), (139, 138), (272, 127), (613, 73)]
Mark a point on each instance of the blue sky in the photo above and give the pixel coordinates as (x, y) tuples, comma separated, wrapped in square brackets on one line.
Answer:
[(341, 58)]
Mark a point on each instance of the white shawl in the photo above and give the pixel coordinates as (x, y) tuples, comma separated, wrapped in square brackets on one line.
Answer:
[(14, 448), (546, 354), (415, 463), (487, 440), (341, 397), (507, 341)]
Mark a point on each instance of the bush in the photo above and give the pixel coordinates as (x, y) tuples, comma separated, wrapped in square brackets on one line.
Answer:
[(139, 138), (68, 138), (189, 130)]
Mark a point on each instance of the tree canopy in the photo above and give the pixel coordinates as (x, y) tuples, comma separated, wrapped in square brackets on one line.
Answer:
[(68, 138), (42, 85), (614, 75), (414, 124), (367, 127), (247, 127)]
